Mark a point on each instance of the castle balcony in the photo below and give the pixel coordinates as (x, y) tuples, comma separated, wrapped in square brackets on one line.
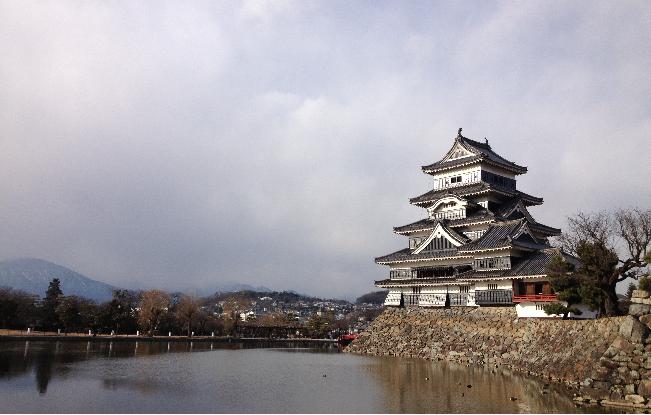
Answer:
[(533, 292), (534, 298), (493, 297)]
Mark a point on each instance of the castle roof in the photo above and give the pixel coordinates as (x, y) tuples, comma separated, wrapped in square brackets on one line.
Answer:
[(405, 255), (476, 152), (505, 234), (479, 215), (534, 264), (482, 215), (474, 189), (386, 283)]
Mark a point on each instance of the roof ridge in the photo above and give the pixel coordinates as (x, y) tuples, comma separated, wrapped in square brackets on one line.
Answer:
[(506, 222), (455, 234), (475, 143)]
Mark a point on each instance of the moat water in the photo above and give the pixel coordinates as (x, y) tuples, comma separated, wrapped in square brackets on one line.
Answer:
[(73, 376)]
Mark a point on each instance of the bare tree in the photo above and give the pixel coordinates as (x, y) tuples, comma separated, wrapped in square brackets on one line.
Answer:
[(275, 319), (153, 304), (612, 246), (187, 311), (17, 308)]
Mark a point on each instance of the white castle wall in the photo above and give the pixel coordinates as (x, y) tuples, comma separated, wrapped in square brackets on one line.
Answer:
[(535, 310)]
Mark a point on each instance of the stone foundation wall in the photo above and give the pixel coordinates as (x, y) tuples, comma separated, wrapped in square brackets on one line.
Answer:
[(608, 360)]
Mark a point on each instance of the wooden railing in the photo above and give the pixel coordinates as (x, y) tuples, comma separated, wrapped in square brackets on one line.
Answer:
[(534, 297), (493, 297)]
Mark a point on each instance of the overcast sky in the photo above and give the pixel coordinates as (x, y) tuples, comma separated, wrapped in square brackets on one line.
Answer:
[(184, 144)]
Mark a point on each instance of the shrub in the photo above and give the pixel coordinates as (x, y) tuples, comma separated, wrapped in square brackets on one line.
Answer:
[(645, 283)]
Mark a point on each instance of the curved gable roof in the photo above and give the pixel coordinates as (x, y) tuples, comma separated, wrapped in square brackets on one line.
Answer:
[(478, 152)]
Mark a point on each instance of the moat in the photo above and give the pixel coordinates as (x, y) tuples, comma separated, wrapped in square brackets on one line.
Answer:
[(160, 377)]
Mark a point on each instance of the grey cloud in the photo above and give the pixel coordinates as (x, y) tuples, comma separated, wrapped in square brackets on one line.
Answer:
[(183, 144)]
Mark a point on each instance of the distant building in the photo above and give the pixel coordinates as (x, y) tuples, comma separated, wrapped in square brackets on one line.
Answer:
[(478, 245), (247, 316)]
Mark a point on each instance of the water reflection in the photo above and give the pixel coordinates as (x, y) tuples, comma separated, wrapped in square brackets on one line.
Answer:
[(118, 376), (417, 386), (48, 358)]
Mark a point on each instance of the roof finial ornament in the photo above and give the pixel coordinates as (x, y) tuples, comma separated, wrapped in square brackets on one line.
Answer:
[(485, 140), (459, 132)]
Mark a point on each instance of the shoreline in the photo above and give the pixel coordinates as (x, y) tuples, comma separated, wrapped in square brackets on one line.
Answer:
[(157, 339)]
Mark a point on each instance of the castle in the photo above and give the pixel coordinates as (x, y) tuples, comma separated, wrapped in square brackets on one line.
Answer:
[(479, 245)]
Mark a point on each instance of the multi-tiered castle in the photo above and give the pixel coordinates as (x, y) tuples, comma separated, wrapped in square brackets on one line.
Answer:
[(479, 245)]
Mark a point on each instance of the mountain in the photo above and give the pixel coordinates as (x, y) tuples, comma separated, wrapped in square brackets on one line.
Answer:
[(34, 275)]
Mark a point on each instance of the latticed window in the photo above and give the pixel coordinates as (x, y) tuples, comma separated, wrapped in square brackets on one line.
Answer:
[(401, 273), (457, 179), (449, 214), (493, 263), (438, 244)]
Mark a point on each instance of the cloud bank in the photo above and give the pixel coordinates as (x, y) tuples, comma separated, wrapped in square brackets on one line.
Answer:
[(183, 144)]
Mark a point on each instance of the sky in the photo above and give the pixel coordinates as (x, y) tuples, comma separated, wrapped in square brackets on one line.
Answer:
[(181, 145)]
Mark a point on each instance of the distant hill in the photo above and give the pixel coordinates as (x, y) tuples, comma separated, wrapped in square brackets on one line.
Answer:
[(34, 275), (376, 297), (232, 287), (250, 295), (288, 297)]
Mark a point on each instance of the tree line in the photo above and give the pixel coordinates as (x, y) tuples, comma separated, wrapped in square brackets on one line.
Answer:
[(152, 312)]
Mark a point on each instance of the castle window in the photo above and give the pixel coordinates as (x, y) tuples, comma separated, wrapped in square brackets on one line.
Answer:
[(492, 286), (493, 263), (400, 273), (475, 234), (455, 179)]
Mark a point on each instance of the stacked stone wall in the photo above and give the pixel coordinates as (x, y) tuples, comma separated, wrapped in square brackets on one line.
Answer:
[(607, 360)]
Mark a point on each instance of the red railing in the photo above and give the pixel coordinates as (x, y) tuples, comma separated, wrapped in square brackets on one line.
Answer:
[(534, 297)]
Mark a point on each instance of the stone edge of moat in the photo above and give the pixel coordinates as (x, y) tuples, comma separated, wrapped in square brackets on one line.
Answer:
[(605, 361)]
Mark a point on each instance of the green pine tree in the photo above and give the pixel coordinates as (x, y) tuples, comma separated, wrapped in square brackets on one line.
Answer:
[(53, 295), (570, 287)]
